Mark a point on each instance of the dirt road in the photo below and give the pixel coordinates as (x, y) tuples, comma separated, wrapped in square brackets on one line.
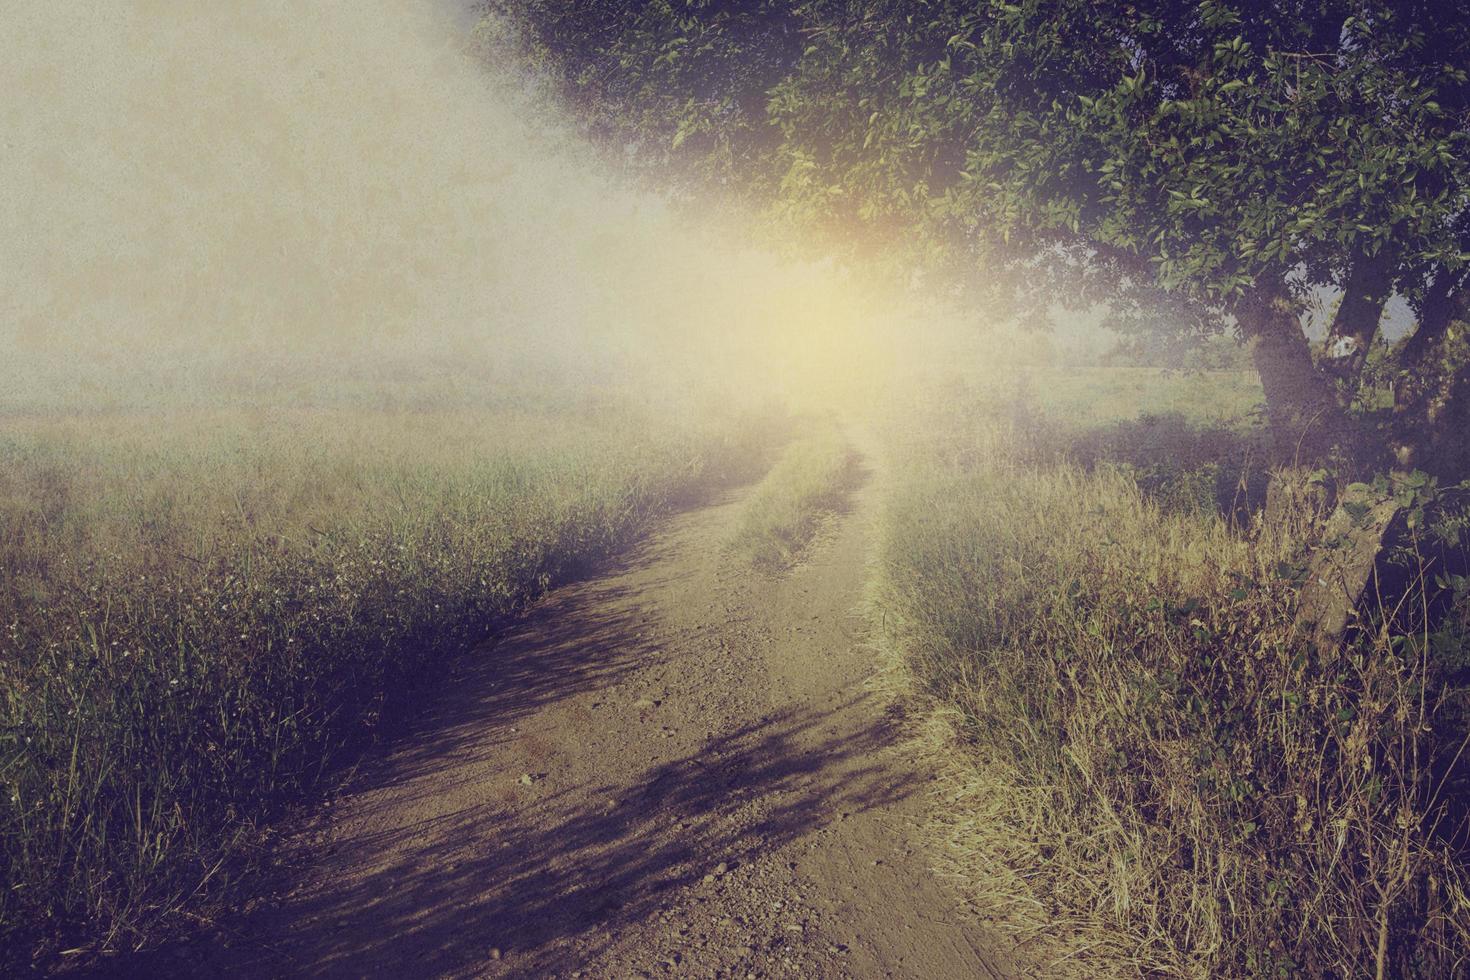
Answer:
[(673, 769)]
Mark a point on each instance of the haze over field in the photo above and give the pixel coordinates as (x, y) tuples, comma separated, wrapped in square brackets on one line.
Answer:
[(278, 178)]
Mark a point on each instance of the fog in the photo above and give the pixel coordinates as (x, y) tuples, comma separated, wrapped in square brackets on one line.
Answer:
[(247, 183)]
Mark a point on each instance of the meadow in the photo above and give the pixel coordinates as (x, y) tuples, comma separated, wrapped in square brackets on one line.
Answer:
[(1149, 769), (210, 603)]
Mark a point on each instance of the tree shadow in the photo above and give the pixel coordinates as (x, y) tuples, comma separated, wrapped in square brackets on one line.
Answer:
[(492, 879), (587, 634)]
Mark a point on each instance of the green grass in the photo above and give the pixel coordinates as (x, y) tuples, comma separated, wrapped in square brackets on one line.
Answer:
[(202, 611), (785, 511), (1150, 773)]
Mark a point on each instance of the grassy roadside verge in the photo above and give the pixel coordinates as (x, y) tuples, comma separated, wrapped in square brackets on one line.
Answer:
[(199, 612), (1148, 771), (807, 482)]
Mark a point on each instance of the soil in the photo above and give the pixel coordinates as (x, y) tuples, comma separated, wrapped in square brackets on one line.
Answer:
[(679, 768)]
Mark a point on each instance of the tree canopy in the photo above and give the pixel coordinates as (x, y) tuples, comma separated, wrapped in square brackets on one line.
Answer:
[(1198, 166)]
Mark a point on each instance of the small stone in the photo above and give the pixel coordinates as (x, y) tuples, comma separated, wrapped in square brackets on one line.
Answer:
[(495, 953), (527, 779), (721, 868)]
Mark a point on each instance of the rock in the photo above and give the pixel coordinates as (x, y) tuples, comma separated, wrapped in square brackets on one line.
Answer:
[(495, 953), (527, 779), (721, 868)]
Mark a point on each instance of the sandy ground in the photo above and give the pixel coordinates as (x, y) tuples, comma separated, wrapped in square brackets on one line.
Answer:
[(676, 768)]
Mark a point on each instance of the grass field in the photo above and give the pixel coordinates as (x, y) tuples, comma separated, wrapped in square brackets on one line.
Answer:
[(1147, 766), (806, 483), (203, 609)]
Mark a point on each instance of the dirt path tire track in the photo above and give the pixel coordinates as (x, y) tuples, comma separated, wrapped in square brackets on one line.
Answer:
[(673, 769)]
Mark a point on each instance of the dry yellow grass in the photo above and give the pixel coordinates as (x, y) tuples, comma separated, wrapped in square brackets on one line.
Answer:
[(1148, 772)]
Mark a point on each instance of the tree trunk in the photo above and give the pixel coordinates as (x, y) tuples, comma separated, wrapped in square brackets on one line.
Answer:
[(1307, 423), (1342, 570), (1432, 392), (1434, 426), (1355, 327)]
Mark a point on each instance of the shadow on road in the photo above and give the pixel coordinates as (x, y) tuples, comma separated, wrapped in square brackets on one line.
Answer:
[(491, 879)]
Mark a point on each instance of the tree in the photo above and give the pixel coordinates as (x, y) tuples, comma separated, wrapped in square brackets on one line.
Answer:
[(679, 87), (1199, 166)]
